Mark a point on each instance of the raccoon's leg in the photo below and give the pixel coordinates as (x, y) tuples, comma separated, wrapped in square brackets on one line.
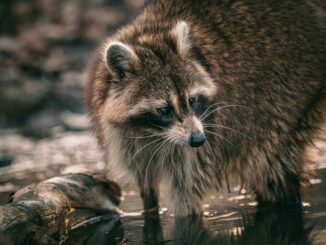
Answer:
[(152, 230), (186, 199), (149, 191), (186, 202), (288, 169), (279, 195), (284, 174)]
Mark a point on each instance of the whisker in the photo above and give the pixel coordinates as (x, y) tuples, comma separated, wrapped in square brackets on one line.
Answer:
[(166, 151), (152, 142), (222, 107), (159, 145), (220, 137), (164, 155), (147, 136), (225, 127), (155, 125), (207, 109), (210, 149)]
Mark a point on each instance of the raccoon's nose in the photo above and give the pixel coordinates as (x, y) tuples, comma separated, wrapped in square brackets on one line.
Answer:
[(197, 140)]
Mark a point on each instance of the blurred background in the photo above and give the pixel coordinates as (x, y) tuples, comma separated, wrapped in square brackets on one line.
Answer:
[(44, 48)]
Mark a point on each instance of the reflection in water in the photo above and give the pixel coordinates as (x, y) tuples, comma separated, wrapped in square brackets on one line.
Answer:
[(152, 230), (284, 227), (264, 227), (268, 227), (109, 232), (229, 223)]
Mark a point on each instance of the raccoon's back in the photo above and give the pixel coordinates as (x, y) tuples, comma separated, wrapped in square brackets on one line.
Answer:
[(240, 31), (258, 40)]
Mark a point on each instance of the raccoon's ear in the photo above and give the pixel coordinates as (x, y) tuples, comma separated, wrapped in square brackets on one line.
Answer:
[(120, 59), (182, 35)]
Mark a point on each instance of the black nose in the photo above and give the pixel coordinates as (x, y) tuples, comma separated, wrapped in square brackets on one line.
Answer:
[(197, 140)]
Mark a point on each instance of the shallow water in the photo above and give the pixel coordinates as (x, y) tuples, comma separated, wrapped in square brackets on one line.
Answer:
[(233, 220), (228, 219)]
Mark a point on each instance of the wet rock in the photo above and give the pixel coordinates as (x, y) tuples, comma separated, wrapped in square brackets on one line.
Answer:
[(45, 213)]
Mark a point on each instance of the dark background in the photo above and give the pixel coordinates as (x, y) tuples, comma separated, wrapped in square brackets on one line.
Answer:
[(44, 47)]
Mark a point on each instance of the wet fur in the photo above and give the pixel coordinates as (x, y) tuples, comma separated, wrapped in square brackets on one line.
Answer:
[(267, 60)]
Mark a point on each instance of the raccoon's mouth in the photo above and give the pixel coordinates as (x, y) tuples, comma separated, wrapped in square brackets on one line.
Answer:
[(197, 140)]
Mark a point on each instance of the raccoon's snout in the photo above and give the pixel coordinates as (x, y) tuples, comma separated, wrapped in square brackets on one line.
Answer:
[(195, 129), (197, 140)]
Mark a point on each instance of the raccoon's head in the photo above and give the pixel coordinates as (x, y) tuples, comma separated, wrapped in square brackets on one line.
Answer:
[(156, 87)]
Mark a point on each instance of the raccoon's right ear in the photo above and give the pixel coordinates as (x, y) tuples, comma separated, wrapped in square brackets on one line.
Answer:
[(120, 59), (181, 33)]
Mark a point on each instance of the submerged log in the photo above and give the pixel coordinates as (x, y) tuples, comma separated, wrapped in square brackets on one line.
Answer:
[(46, 213)]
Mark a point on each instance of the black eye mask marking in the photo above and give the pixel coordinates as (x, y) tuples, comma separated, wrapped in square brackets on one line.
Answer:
[(161, 118), (198, 104), (165, 111)]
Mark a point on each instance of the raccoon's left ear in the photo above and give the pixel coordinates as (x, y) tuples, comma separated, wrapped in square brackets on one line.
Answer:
[(182, 35), (120, 59)]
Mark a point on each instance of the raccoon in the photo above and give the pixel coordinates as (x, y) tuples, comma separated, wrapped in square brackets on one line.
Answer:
[(206, 93)]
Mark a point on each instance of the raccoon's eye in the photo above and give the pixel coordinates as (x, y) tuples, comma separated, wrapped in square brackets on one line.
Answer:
[(192, 101), (197, 104), (164, 111)]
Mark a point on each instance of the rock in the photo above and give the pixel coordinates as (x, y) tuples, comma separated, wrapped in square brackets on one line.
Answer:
[(45, 213)]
